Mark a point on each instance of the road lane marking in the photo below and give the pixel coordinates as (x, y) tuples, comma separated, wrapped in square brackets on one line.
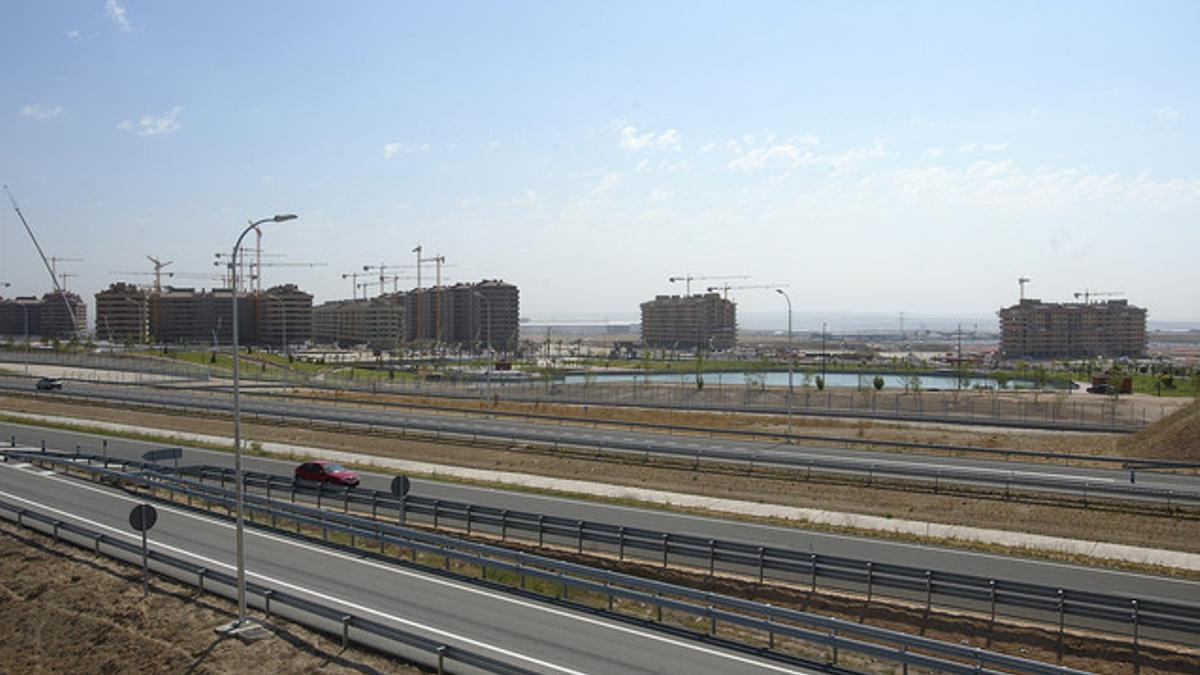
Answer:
[(411, 574)]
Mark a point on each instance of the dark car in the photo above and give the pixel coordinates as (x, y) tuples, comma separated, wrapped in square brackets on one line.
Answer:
[(1100, 389), (49, 383), (327, 472)]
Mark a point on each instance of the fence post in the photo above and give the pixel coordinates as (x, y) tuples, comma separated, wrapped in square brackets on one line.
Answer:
[(870, 582), (712, 556), (504, 525), (1061, 621), (812, 561), (928, 589), (762, 563), (579, 535), (436, 503), (665, 546), (621, 543), (469, 520), (541, 531), (992, 591)]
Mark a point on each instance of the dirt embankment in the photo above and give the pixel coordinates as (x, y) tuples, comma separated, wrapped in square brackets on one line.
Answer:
[(64, 610), (1176, 437)]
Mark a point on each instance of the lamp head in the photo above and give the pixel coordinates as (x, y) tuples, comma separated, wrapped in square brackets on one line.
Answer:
[(284, 216)]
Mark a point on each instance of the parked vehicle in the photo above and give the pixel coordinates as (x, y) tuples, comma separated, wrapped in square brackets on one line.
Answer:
[(1100, 389), (327, 472), (49, 383)]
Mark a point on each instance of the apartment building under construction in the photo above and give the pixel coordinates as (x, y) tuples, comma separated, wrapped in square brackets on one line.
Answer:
[(1033, 329), (689, 322), (59, 316)]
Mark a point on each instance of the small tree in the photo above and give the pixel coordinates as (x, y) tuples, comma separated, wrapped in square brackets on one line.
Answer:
[(878, 383), (1002, 380), (820, 383)]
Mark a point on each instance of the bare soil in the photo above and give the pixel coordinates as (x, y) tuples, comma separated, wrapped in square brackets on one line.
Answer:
[(65, 610), (1158, 531), (1176, 437)]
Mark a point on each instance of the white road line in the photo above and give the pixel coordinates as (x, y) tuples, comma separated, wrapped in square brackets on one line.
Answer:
[(422, 577)]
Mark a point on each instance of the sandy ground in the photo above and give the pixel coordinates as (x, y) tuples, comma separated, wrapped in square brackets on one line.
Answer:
[(1155, 531), (65, 610)]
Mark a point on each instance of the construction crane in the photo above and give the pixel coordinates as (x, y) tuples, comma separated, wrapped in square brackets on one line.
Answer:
[(64, 276), (689, 278), (1021, 281), (54, 260), (383, 277), (725, 288), (1087, 294), (353, 277), (49, 267), (158, 268)]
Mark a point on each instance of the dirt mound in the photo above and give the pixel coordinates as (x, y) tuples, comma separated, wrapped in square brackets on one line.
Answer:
[(1175, 437)]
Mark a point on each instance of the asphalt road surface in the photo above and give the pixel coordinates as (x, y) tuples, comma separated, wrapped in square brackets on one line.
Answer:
[(1068, 479), (532, 634), (939, 558)]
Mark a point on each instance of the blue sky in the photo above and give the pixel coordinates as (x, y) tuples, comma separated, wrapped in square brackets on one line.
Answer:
[(913, 157)]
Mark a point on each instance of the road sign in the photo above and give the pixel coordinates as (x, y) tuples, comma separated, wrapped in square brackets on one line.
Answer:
[(400, 485), (164, 453), (143, 517)]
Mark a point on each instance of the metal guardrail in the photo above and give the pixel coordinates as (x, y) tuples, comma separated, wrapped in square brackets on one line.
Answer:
[(1120, 615), (712, 608), (350, 627), (557, 439)]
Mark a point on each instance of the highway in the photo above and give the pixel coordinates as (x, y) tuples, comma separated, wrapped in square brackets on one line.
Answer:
[(746, 450), (940, 558), (528, 633)]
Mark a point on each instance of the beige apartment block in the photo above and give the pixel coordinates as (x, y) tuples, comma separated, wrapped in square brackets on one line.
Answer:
[(707, 321), (1034, 329)]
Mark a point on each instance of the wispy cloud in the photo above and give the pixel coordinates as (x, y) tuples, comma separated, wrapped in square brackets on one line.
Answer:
[(935, 152), (38, 111), (976, 146), (1166, 117), (633, 141), (72, 34), (154, 125), (116, 12), (394, 148), (791, 153)]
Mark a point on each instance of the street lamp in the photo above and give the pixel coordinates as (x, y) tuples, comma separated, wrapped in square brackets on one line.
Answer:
[(789, 392), (237, 420)]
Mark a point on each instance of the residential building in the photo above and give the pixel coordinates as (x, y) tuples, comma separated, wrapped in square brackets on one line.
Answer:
[(284, 316), (123, 313), (1034, 329), (21, 317), (63, 316), (376, 322), (705, 321)]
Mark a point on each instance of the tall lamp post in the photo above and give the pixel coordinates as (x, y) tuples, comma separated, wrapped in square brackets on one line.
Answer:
[(789, 342), (237, 420)]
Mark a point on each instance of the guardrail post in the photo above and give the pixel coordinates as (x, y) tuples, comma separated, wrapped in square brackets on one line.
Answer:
[(658, 605), (402, 511), (541, 531), (762, 563), (579, 537), (1061, 621), (469, 519), (712, 621), (812, 562), (621, 543), (374, 505), (833, 643), (712, 556), (43, 445), (436, 504), (200, 574), (870, 582), (59, 522), (770, 630), (665, 547), (441, 656), (346, 619), (929, 590), (608, 588), (992, 591), (267, 601), (12, 441), (346, 501), (1137, 666), (504, 525)]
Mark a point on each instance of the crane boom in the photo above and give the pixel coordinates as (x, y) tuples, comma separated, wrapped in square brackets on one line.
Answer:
[(689, 278), (725, 288)]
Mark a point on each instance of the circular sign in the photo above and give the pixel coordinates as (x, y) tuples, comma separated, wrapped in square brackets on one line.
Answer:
[(400, 485), (143, 517)]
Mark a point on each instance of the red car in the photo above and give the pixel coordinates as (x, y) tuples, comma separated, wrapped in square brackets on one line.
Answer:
[(327, 472)]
